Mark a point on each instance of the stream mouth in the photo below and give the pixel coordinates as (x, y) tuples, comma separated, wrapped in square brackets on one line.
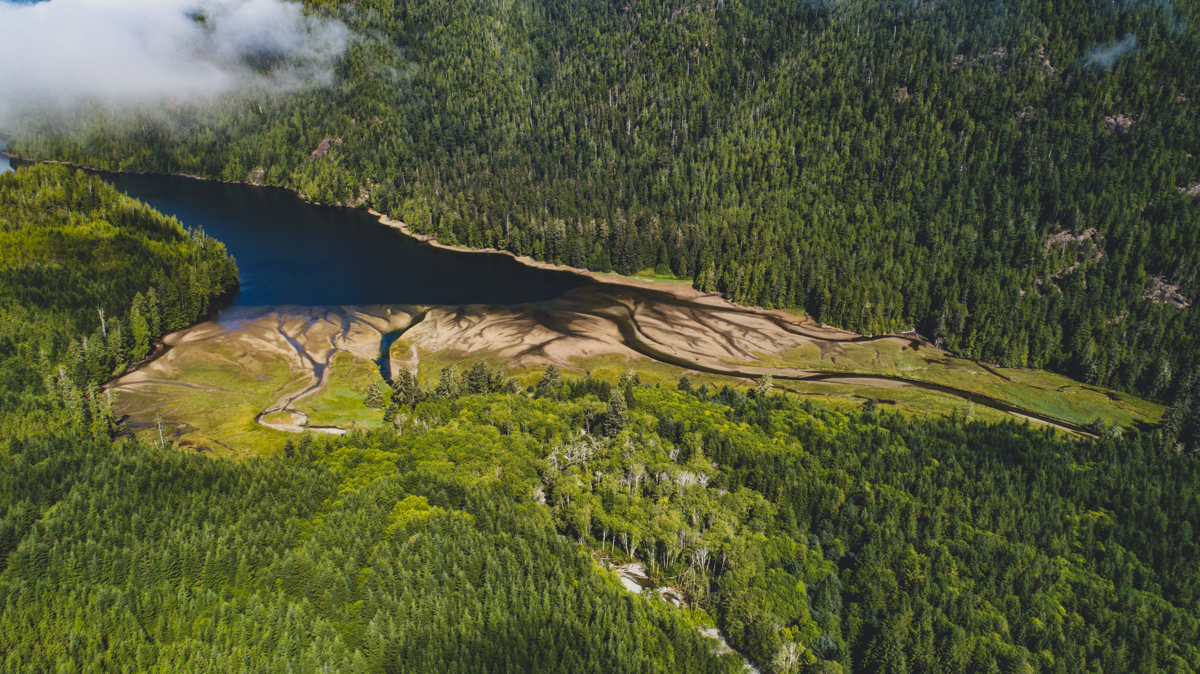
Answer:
[(384, 362), (291, 253)]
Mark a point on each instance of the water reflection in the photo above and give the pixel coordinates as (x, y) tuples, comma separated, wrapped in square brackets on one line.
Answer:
[(291, 252)]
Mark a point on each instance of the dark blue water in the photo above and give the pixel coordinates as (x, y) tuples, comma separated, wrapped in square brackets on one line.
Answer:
[(291, 252)]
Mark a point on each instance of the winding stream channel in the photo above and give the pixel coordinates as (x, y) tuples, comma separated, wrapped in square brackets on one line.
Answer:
[(294, 254)]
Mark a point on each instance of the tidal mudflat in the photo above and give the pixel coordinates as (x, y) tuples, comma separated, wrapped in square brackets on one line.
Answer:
[(325, 290), (240, 383)]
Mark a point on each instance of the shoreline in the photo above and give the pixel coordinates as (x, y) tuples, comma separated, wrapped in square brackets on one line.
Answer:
[(671, 286), (680, 288), (670, 292)]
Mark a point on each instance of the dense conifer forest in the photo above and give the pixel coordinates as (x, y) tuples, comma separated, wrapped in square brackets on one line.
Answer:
[(470, 532), (462, 537), (1017, 181), (89, 279)]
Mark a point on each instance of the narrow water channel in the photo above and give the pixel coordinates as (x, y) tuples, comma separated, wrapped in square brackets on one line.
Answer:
[(385, 347), (292, 253)]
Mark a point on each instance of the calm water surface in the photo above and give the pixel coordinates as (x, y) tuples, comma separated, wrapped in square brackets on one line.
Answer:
[(291, 252)]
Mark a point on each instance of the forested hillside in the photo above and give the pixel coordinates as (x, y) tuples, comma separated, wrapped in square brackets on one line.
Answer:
[(1015, 180), (459, 538), (89, 278)]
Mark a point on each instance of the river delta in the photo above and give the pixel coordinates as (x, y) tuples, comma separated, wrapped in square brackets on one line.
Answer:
[(333, 300)]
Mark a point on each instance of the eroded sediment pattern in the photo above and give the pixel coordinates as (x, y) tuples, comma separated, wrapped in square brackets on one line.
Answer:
[(258, 364), (264, 367)]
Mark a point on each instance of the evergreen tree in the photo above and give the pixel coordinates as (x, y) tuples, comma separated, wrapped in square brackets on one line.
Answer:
[(406, 390), (763, 388), (550, 382), (617, 416), (685, 384), (373, 397), (479, 378), (450, 384)]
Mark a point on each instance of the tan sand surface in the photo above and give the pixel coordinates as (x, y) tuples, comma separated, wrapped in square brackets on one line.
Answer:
[(250, 366), (267, 362), (676, 325)]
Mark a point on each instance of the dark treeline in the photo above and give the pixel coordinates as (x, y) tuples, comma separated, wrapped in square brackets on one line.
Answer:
[(460, 537), (89, 278), (1008, 178)]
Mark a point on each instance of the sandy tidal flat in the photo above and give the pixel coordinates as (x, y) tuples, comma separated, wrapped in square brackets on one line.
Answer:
[(240, 383)]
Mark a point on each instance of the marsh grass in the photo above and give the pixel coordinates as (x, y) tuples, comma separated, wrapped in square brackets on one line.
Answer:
[(1037, 390), (340, 402)]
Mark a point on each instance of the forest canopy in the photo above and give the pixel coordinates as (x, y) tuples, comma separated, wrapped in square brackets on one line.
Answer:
[(1017, 181), (466, 535), (89, 279), (470, 531)]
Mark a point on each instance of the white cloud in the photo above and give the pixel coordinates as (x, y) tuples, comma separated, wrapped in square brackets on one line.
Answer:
[(1106, 56), (118, 52)]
